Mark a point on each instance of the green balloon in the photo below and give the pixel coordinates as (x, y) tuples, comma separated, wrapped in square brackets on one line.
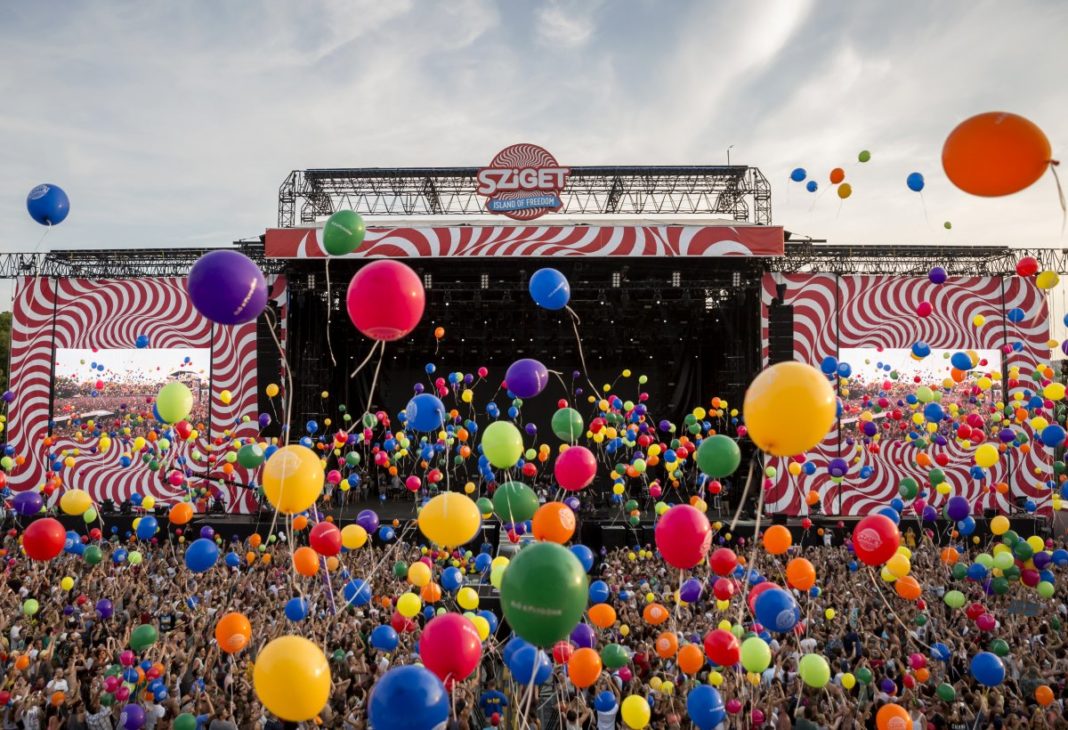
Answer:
[(936, 476), (986, 560), (958, 572), (485, 506), (1045, 589), (1000, 585), (1003, 561), (756, 654), (999, 647), (1010, 538), (864, 675), (535, 612), (352, 458), (864, 156), (174, 402), (920, 620), (567, 425), (1022, 550), (93, 555), (502, 444), (814, 670), (185, 721), (135, 557), (343, 232), (718, 456), (631, 505), (30, 606), (614, 656), (89, 515), (400, 569), (250, 456), (954, 599), (634, 520), (107, 700), (946, 693), (908, 488), (143, 637), (515, 502)]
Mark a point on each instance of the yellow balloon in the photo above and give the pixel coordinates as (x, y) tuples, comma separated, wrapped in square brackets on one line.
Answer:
[(636, 712), (1037, 543), (75, 502), (481, 625), (418, 574), (293, 479), (715, 679), (1047, 280), (986, 456), (67, 583), (978, 320), (789, 408), (829, 614), (849, 681), (292, 678), (353, 537), (148, 503), (409, 604), (497, 576), (450, 519), (625, 630), (272, 390), (898, 566), (999, 526), (226, 396), (1054, 391), (467, 597)]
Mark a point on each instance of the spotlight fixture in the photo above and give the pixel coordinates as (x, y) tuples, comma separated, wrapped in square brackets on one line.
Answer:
[(428, 281), (736, 279), (483, 281), (616, 279), (676, 278), (311, 281)]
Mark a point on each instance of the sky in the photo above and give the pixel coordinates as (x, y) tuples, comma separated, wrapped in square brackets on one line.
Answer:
[(173, 124), (865, 362), (130, 364)]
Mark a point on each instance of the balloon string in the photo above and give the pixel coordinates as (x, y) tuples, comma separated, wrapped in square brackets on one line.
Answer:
[(1060, 193), (329, 312), (365, 360), (575, 322), (908, 631), (48, 229)]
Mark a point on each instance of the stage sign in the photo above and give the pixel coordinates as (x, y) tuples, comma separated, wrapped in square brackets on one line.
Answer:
[(534, 241), (523, 182)]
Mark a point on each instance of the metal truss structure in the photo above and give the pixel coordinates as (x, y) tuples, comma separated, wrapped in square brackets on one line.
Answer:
[(733, 191), (811, 256)]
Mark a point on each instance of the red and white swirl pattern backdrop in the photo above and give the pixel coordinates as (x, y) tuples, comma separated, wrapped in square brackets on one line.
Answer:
[(833, 312), (111, 314), (547, 240)]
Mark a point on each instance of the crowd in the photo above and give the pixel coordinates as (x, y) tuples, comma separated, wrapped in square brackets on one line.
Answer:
[(60, 654)]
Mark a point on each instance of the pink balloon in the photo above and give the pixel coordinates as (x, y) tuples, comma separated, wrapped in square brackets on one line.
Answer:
[(575, 468), (986, 622), (625, 674), (385, 300), (683, 535), (733, 706), (127, 658), (122, 693), (450, 647)]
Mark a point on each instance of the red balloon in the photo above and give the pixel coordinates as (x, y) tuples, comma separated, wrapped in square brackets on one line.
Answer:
[(683, 535), (876, 539), (325, 539), (385, 300), (723, 589), (449, 647), (723, 648), (1027, 266), (723, 561), (44, 538), (400, 623), (575, 468), (755, 591), (974, 611), (562, 650)]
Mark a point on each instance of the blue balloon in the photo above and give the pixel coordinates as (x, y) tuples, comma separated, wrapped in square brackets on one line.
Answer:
[(384, 638), (530, 663), (451, 578), (425, 412), (961, 361), (940, 652), (829, 365), (812, 186), (933, 412), (312, 426), (584, 555), (976, 572), (605, 701), (357, 592), (549, 289), (514, 644), (483, 562), (921, 349), (914, 181), (988, 669), (386, 533), (296, 609), (1060, 557), (408, 697), (844, 370), (48, 204), (599, 591), (201, 555), (967, 527), (141, 342), (147, 528), (233, 560), (890, 513), (705, 707), (777, 610), (798, 174), (1052, 435), (1015, 315)]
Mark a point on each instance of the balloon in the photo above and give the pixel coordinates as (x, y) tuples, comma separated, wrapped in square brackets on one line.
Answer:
[(174, 402), (43, 539), (75, 502), (800, 574), (812, 186), (777, 539), (227, 287), (683, 536), (837, 175), (789, 408), (755, 654), (147, 528), (541, 616), (526, 378), (343, 232), (201, 555), (28, 504), (636, 712), (450, 647), (48, 204), (185, 721), (293, 479), (876, 539), (549, 289), (502, 444), (425, 412), (814, 670), (567, 425), (915, 182), (408, 698), (292, 678), (777, 610), (957, 508), (690, 659), (723, 647), (892, 716), (385, 300), (575, 468), (584, 667), (705, 707), (530, 664), (554, 522), (181, 513), (354, 537), (132, 717), (1044, 695), (798, 174), (584, 555), (986, 456), (450, 520), (995, 153), (987, 669), (845, 190), (143, 637), (718, 456), (515, 502), (233, 632)]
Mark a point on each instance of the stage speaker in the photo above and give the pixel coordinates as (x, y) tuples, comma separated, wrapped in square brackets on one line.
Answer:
[(988, 513), (778, 519), (780, 333), (613, 536)]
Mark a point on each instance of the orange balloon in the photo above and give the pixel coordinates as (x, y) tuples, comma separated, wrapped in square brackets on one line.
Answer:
[(908, 588), (554, 522), (430, 593), (922, 674), (800, 574), (57, 699), (255, 540), (250, 557), (584, 667), (305, 561), (892, 716), (777, 539), (300, 522), (837, 175), (22, 662), (233, 632), (181, 513), (667, 645), (1003, 487), (691, 659), (949, 556), (1044, 695), (812, 498), (602, 615), (996, 153), (266, 559), (655, 614), (923, 459)]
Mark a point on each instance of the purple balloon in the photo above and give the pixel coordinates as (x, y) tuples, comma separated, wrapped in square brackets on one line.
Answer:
[(104, 608), (418, 388), (582, 636), (132, 717), (887, 685), (1041, 559), (573, 503), (27, 504), (937, 275), (930, 514), (207, 532), (227, 287), (264, 420), (957, 508), (1006, 435), (526, 378), (8, 396), (690, 591), (368, 520), (531, 429)]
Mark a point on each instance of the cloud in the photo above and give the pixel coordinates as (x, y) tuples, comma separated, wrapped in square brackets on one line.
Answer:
[(567, 23)]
